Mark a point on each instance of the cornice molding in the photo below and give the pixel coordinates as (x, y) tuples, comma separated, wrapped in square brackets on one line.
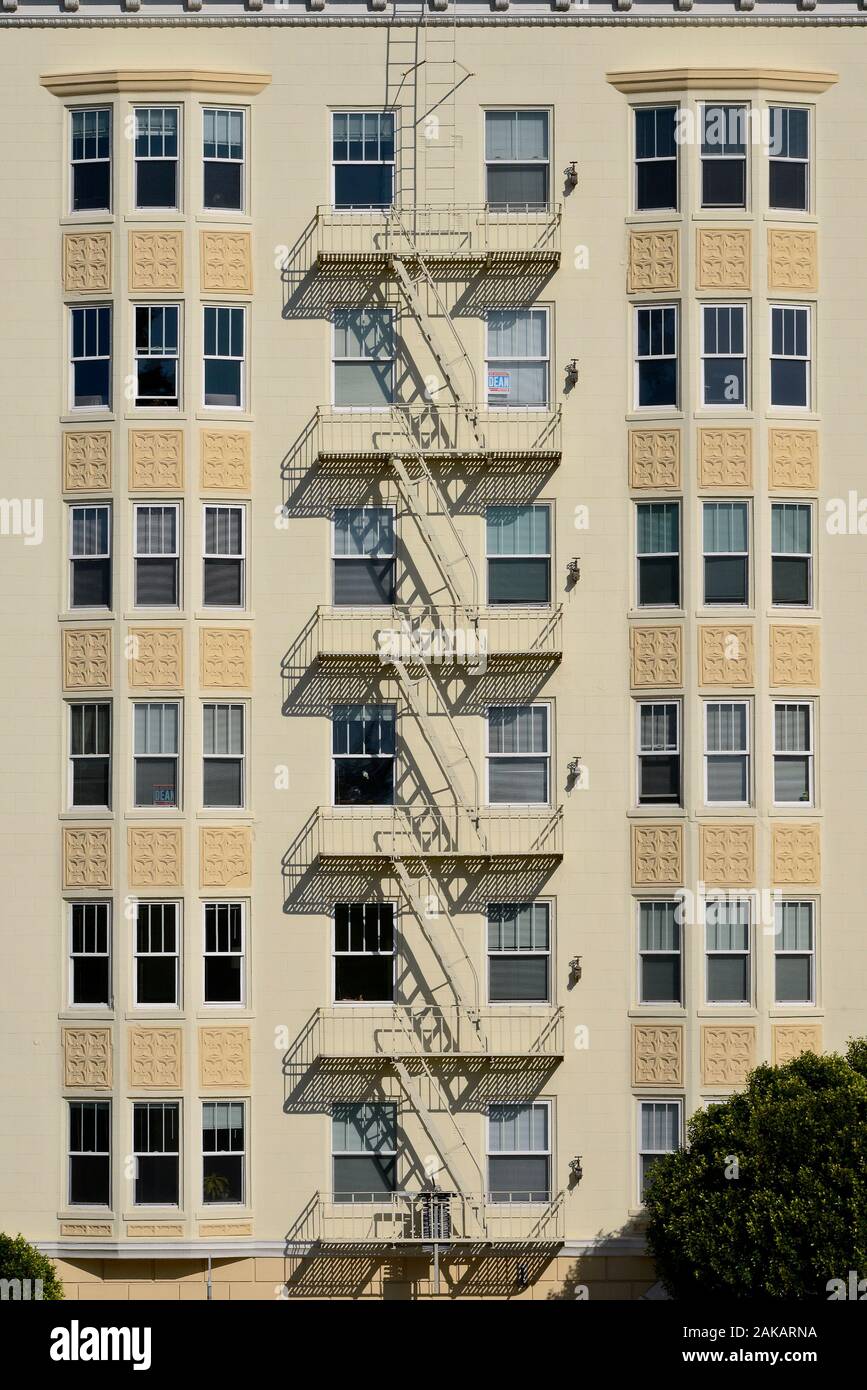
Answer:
[(636, 80), (77, 84)]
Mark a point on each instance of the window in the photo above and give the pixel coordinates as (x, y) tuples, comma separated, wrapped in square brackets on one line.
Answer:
[(157, 955), (794, 953), (223, 747), (156, 556), (156, 157), (156, 749), (793, 754), (364, 953), (90, 754), (363, 744), (726, 552), (156, 1128), (790, 355), (789, 161), (224, 953), (90, 557), (519, 554), (727, 941), (224, 561), (90, 357), (659, 1126), (656, 356), (223, 159), (519, 953), (90, 953), (660, 975), (90, 1153), (791, 553), (222, 1151), (655, 158), (724, 157), (156, 355), (90, 160), (364, 356), (364, 1151), (724, 354), (516, 157), (659, 753), (519, 1152), (224, 356), (727, 753), (658, 547), (517, 361), (362, 150), (363, 555), (518, 755)]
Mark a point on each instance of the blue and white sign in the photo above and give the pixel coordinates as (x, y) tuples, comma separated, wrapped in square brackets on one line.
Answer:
[(499, 383)]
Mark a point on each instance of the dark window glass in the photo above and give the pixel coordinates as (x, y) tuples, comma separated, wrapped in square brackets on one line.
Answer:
[(223, 583), (156, 582), (725, 579), (521, 580), (364, 782), (156, 1139), (363, 582), (224, 782), (91, 584), (519, 1177), (655, 158), (89, 1153), (723, 156), (156, 781)]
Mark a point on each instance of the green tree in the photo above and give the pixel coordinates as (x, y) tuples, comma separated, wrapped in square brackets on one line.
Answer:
[(19, 1260), (768, 1199)]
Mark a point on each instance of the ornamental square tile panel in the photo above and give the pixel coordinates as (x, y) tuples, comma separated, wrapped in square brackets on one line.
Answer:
[(225, 856), (87, 857), (725, 656), (723, 258), (657, 1054), (86, 261), (795, 655), (224, 657), (796, 853), (224, 1057), (793, 459), (725, 458), (155, 855), (657, 855), (155, 1058), (653, 260), (86, 658), (793, 262), (87, 1057), (156, 657), (225, 460), (654, 459), (226, 261), (156, 1230), (791, 1039), (727, 855), (156, 260), (728, 1054), (86, 1228), (86, 460), (156, 460), (656, 656)]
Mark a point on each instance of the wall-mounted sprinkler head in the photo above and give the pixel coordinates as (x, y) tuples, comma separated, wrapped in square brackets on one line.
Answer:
[(573, 569), (575, 1169), (571, 172), (575, 970), (572, 371)]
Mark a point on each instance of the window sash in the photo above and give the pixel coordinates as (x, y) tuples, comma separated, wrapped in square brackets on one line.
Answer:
[(359, 924), (522, 1127), (657, 325), (223, 730), (519, 136), (223, 929), (657, 529), (516, 929), (520, 532), (727, 149), (726, 726), (156, 728), (363, 533), (223, 1117), (91, 137), (224, 332), (84, 1117), (354, 341), (156, 1122), (223, 532), (780, 133), (725, 528), (90, 729), (371, 726), (223, 130), (656, 155), (659, 727), (88, 921), (364, 129), (526, 726), (90, 532), (90, 327), (156, 531), (366, 1128), (794, 928), (659, 1129), (791, 529), (793, 728), (517, 335), (156, 132), (790, 332)]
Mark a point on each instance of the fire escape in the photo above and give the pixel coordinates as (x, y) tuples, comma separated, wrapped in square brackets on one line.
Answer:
[(415, 444)]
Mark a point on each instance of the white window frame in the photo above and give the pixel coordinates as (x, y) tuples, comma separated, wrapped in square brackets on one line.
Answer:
[(648, 1153), (89, 213), (520, 951), (745, 752), (178, 1153), (227, 1153), (744, 357), (534, 1104), (217, 954), (155, 555), (393, 1154), (157, 810), (102, 907), (642, 952), (637, 311), (137, 159), (547, 755), (219, 555), (229, 309), (806, 309), (641, 752), (808, 753), (217, 159), (796, 1004), (73, 758), (176, 955), (347, 757), (335, 361), (721, 209), (525, 554), (730, 898), (653, 159), (790, 159), (706, 504), (147, 354), (97, 555), (227, 757), (349, 1003), (335, 163), (85, 310), (544, 310), (93, 1153), (808, 555), (649, 554), (496, 209)]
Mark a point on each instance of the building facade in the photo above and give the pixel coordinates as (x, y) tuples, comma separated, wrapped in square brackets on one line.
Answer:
[(433, 570)]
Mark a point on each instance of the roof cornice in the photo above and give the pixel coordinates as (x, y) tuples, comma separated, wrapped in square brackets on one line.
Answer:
[(636, 80), (77, 84)]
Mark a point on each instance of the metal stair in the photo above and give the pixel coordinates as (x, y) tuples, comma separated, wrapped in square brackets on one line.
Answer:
[(452, 559), (454, 959)]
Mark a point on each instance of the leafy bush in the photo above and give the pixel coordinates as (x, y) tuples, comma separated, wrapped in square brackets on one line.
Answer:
[(769, 1197), (19, 1260)]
